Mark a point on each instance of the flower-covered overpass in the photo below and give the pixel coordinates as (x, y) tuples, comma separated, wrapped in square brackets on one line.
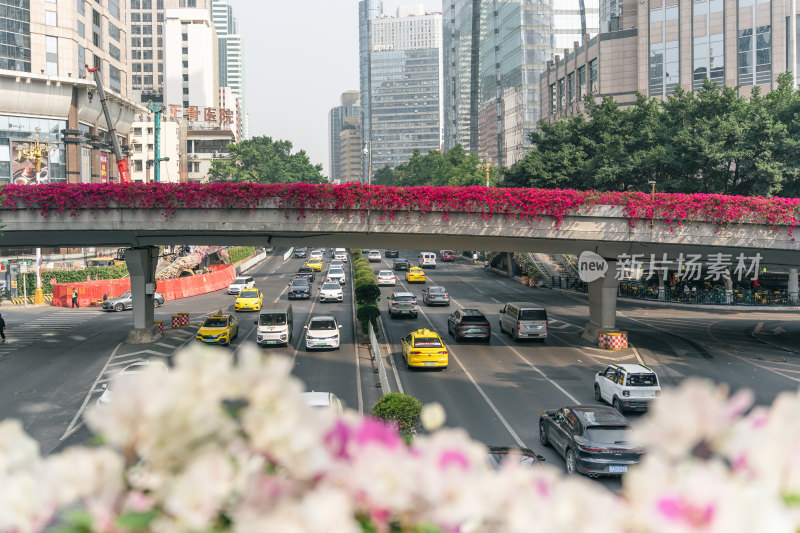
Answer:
[(610, 224)]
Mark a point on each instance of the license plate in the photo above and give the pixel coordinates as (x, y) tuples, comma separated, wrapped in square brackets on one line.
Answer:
[(320, 344), (272, 342), (429, 364), (473, 331), (618, 468)]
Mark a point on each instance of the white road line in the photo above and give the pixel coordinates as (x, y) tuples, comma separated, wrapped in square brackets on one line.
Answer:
[(495, 300), (74, 426), (279, 296)]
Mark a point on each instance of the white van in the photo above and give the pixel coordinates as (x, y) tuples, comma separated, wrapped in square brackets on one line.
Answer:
[(524, 320), (427, 260), (274, 326)]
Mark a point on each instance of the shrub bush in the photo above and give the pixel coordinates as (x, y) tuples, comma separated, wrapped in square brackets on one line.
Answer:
[(238, 253), (367, 313), (401, 409), (355, 253), (367, 292), (361, 263)]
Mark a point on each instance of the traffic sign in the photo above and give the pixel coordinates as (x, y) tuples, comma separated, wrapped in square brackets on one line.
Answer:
[(14, 284)]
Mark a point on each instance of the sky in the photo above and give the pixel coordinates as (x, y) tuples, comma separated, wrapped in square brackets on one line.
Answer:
[(299, 57)]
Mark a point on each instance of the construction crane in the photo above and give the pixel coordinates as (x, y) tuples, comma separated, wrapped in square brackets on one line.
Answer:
[(122, 161)]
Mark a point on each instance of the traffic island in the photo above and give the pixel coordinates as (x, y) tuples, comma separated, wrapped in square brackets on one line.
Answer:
[(144, 335)]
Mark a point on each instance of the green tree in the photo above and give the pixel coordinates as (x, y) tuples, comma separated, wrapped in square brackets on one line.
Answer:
[(262, 160)]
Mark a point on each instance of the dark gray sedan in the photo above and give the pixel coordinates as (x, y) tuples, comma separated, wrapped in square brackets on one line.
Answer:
[(435, 296), (125, 301), (593, 440)]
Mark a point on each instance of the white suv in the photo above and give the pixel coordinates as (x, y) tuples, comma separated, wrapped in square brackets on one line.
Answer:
[(374, 256), (626, 387), (340, 254), (322, 332), (337, 275)]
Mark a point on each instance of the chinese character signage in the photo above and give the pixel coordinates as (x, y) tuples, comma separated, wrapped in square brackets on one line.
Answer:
[(104, 167), (688, 267), (23, 164), (193, 113)]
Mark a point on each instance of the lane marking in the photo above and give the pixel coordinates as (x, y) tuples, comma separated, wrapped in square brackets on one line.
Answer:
[(280, 295)]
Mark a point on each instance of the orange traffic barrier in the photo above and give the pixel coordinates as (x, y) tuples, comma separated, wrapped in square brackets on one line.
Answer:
[(176, 321)]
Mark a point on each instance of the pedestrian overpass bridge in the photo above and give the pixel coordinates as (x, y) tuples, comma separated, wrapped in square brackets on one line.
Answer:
[(610, 224)]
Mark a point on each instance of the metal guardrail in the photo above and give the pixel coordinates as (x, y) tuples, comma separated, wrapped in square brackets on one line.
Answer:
[(376, 350)]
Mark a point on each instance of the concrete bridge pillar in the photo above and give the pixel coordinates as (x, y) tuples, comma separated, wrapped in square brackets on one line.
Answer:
[(602, 304), (662, 294), (510, 264), (142, 268), (793, 287)]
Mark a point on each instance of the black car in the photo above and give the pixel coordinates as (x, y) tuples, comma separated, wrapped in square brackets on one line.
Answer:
[(401, 264), (391, 253), (594, 440), (469, 324), (435, 296), (300, 252), (498, 455), (306, 272), (299, 289)]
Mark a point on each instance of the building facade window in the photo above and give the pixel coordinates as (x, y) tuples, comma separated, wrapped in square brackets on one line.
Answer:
[(113, 8), (581, 82), (114, 79), (593, 76), (754, 42), (113, 32), (136, 4), (708, 53), (51, 55), (571, 87), (50, 18), (114, 51), (562, 94), (81, 7), (97, 32), (81, 29), (81, 62), (553, 99), (664, 54)]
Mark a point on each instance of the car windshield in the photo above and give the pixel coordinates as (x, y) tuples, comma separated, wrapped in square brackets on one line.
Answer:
[(642, 380), (609, 434), (125, 295), (533, 314), (248, 294), (331, 287), (437, 290), (215, 322), (239, 281), (336, 271), (427, 342), (272, 319), (322, 325), (303, 282), (304, 270), (405, 298), (299, 249)]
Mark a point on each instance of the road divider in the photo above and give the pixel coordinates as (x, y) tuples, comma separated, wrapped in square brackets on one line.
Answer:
[(376, 352), (288, 254), (250, 263)]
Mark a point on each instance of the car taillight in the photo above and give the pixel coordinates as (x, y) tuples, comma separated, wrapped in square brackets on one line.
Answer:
[(443, 353), (518, 326), (446, 295), (588, 449), (415, 353), (394, 303), (547, 325), (626, 393)]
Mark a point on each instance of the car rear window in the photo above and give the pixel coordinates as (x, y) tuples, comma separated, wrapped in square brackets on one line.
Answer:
[(437, 290), (427, 342), (272, 319), (642, 380), (609, 434), (385, 273), (248, 294), (533, 314), (322, 325), (215, 323), (474, 319), (405, 298)]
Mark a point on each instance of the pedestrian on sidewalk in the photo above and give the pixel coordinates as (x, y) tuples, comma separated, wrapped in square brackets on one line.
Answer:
[(75, 298), (2, 328)]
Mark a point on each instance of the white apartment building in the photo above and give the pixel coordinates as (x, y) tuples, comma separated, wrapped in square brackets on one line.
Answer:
[(142, 142), (190, 45)]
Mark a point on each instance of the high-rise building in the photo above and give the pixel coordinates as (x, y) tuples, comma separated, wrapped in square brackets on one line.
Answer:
[(349, 107), (652, 47), (367, 11), (350, 150), (190, 44), (404, 86), (229, 49), (147, 44), (494, 53), (46, 91)]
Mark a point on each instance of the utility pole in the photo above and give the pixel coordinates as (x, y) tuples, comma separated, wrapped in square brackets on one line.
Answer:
[(157, 109)]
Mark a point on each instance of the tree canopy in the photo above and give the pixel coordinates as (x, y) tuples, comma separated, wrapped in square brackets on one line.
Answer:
[(262, 160), (709, 141), (454, 167)]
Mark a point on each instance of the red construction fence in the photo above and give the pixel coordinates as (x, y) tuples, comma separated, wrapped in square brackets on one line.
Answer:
[(91, 292)]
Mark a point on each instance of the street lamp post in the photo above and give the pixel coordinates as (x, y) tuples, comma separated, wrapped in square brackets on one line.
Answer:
[(368, 152)]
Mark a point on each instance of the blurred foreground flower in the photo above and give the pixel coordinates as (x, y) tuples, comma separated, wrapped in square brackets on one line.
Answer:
[(213, 446)]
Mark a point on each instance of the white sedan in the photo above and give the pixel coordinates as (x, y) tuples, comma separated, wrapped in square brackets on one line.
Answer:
[(374, 256), (331, 291), (133, 368), (386, 278)]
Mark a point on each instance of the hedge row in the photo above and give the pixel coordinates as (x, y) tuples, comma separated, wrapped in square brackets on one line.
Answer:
[(366, 290), (27, 282), (237, 253)]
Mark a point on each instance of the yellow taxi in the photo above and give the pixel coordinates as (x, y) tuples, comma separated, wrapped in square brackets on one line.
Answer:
[(249, 300), (218, 329), (315, 264), (415, 275), (424, 348)]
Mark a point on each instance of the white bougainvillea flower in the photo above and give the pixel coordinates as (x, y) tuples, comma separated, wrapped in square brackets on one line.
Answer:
[(707, 413), (17, 448), (432, 416)]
